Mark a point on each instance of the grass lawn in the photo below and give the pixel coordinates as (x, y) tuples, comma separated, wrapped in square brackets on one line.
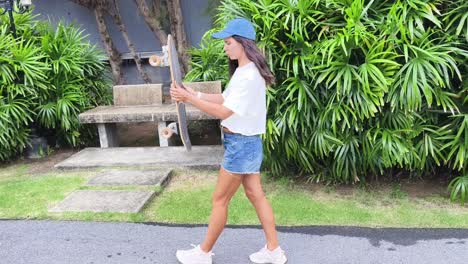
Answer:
[(187, 200), (26, 193)]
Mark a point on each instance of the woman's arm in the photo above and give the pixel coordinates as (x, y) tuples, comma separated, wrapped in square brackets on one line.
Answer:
[(213, 108), (214, 98)]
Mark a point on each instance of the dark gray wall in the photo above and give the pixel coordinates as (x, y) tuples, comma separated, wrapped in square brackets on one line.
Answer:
[(196, 21)]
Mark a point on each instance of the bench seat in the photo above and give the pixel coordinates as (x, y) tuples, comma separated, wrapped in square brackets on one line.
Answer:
[(148, 113), (142, 103)]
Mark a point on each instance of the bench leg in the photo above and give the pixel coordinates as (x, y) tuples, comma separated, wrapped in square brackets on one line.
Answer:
[(108, 135), (167, 133), (221, 132)]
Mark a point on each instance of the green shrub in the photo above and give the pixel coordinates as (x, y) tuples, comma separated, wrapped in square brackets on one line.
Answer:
[(207, 62), (48, 76), (363, 87), (459, 189)]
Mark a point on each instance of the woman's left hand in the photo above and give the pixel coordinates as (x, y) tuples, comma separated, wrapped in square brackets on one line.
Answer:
[(179, 94)]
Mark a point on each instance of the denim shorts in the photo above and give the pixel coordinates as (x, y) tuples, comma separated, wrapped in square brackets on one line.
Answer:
[(242, 154)]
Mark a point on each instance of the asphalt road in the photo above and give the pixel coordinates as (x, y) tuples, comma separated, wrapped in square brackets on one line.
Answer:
[(100, 243)]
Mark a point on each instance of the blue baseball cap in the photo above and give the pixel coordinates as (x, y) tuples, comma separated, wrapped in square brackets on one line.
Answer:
[(238, 26)]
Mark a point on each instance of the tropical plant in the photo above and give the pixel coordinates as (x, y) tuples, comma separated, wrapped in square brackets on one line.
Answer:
[(207, 62), (364, 88), (77, 80), (22, 78), (459, 189), (47, 77)]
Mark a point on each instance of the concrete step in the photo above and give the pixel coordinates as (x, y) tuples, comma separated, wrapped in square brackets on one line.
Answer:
[(131, 177), (104, 201), (172, 157)]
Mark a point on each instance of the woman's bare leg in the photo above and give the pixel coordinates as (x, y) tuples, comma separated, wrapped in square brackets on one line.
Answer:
[(253, 191), (226, 187)]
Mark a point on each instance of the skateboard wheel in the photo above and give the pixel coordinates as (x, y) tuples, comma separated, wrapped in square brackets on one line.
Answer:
[(167, 132), (170, 130), (155, 61)]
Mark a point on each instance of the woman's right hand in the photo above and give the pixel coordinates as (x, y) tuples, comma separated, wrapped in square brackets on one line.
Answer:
[(178, 93), (190, 90)]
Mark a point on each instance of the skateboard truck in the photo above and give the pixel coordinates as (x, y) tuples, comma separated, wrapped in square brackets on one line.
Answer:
[(170, 130)]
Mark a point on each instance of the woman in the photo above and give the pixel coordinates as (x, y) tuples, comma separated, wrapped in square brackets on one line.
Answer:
[(242, 108)]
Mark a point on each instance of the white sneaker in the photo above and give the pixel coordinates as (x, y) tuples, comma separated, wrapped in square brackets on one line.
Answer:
[(276, 256), (194, 256)]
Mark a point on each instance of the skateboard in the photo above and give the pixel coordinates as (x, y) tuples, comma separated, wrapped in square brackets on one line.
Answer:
[(170, 57)]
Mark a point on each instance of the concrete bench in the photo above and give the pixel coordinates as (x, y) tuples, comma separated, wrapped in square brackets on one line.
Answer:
[(142, 103)]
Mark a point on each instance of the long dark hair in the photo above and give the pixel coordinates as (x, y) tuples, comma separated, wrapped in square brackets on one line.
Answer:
[(253, 54)]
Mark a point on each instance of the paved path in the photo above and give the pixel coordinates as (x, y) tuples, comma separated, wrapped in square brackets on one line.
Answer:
[(100, 243)]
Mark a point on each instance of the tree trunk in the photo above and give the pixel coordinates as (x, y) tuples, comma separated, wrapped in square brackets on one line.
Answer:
[(99, 8), (153, 18), (115, 60), (178, 32), (118, 21), (91, 4)]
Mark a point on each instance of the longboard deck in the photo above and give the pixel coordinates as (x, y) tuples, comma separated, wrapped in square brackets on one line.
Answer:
[(176, 77)]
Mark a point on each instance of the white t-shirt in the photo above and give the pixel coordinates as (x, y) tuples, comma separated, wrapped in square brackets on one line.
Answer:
[(245, 95)]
